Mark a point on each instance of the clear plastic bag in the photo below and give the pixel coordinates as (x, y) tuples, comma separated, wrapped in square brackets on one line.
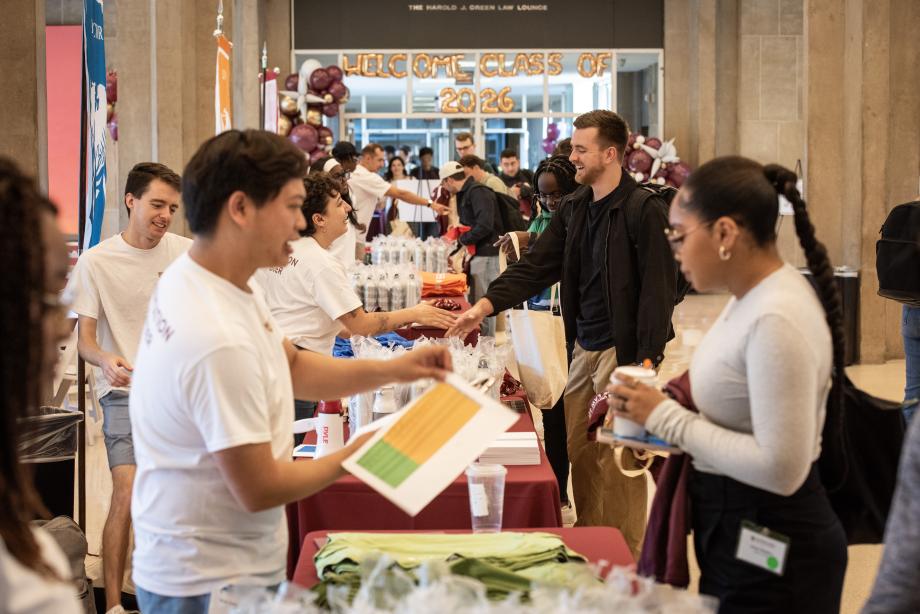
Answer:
[(49, 435)]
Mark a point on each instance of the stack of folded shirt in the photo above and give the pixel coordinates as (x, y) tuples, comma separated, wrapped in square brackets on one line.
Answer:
[(503, 562), (443, 284)]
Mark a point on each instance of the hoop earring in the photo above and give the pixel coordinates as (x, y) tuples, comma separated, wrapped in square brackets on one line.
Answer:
[(724, 254)]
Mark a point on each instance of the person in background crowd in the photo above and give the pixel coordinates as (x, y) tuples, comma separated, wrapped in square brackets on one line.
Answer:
[(512, 174), (426, 168), (337, 173), (617, 297), (212, 401), (465, 145), (405, 152), (396, 170), (368, 190), (760, 379), (34, 573), (478, 208), (113, 283), (390, 153), (474, 167), (555, 179), (563, 148), (895, 588), (346, 154)]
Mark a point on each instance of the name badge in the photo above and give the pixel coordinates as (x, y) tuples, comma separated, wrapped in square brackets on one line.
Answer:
[(762, 547)]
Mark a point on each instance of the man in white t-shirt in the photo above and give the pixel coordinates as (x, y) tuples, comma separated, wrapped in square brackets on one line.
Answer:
[(215, 379), (112, 284), (368, 193)]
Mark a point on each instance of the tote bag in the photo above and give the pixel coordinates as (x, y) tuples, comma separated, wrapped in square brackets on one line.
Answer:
[(538, 338)]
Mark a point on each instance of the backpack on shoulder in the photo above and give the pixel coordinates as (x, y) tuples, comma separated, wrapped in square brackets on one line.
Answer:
[(510, 211), (634, 203), (897, 255)]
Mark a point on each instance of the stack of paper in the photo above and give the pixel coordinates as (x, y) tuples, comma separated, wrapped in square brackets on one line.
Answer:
[(515, 448)]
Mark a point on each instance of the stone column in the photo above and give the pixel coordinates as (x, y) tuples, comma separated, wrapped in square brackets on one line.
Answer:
[(863, 129), (276, 22), (247, 63), (24, 122)]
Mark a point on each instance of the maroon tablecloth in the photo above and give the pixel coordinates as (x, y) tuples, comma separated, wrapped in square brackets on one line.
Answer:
[(531, 500), (594, 543), (414, 332)]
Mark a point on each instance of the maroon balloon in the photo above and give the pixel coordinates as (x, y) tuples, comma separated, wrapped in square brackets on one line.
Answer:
[(320, 79), (316, 154), (338, 89), (678, 173), (323, 133), (113, 127), (111, 87), (653, 142), (335, 73), (330, 110), (548, 145), (291, 82), (552, 131), (304, 136), (639, 162)]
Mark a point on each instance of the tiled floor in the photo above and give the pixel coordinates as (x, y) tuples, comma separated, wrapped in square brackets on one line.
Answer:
[(692, 319)]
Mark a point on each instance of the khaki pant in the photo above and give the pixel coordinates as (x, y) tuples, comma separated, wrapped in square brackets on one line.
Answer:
[(603, 495)]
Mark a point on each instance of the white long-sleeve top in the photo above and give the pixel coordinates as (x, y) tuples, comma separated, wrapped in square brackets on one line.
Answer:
[(760, 379)]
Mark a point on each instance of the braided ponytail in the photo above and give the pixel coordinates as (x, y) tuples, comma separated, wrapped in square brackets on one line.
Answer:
[(784, 182)]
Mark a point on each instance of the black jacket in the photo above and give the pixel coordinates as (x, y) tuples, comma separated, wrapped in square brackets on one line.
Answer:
[(478, 208), (639, 273)]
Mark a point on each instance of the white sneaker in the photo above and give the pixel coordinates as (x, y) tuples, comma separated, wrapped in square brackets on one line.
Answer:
[(118, 609), (568, 515)]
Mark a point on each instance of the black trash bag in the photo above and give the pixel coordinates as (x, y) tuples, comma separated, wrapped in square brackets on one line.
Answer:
[(49, 435)]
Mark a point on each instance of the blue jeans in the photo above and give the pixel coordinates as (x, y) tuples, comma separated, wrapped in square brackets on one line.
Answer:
[(158, 604), (910, 330)]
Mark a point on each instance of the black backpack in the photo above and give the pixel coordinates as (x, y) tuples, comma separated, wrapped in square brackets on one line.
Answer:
[(633, 206), (897, 255), (510, 211)]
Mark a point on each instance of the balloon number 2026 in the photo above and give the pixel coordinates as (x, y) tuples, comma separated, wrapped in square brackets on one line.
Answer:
[(464, 100)]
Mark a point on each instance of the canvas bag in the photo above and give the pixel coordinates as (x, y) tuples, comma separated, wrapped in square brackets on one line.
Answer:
[(538, 338)]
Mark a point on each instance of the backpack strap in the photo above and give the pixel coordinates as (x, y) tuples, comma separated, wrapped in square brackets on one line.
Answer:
[(633, 212)]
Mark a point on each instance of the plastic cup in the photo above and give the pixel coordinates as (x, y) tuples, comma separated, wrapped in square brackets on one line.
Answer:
[(487, 496), (621, 426)]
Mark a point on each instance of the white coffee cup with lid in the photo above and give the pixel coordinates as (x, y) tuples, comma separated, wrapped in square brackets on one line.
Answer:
[(623, 427)]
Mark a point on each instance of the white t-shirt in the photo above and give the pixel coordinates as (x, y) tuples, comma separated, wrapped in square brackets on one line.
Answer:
[(112, 283), (211, 374), (22, 590), (308, 295), (760, 379), (343, 248), (367, 190)]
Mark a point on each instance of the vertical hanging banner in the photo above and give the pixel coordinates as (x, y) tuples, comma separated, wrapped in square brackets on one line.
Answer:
[(222, 118), (94, 120), (270, 101)]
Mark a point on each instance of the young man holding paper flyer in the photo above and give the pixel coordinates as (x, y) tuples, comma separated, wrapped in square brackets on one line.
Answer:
[(212, 403)]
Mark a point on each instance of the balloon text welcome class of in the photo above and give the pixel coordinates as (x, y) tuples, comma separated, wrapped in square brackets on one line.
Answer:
[(433, 65)]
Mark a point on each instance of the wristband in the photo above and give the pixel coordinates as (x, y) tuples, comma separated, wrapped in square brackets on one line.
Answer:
[(430, 203)]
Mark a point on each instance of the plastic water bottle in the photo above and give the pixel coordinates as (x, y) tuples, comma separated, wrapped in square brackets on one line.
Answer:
[(413, 291), (397, 294), (383, 293), (370, 294), (330, 434), (442, 257), (357, 284), (384, 402)]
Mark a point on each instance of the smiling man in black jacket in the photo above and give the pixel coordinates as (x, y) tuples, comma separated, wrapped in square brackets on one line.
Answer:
[(618, 291)]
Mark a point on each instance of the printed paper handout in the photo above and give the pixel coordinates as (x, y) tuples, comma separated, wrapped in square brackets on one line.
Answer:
[(430, 443)]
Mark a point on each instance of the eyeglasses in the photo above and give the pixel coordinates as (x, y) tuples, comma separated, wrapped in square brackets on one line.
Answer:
[(676, 237), (549, 199)]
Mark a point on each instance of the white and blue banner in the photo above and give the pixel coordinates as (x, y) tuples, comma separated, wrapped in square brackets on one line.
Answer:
[(95, 120)]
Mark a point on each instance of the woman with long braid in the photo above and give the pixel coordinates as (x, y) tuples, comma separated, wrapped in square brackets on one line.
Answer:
[(765, 535), (33, 266), (554, 179)]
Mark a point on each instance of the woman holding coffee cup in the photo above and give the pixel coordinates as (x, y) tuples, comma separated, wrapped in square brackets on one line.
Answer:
[(765, 535)]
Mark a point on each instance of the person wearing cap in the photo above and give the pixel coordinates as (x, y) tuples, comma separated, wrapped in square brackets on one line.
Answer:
[(368, 190), (477, 206)]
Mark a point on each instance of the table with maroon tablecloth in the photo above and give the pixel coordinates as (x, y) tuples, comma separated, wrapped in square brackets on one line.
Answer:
[(414, 332), (594, 543), (531, 500)]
